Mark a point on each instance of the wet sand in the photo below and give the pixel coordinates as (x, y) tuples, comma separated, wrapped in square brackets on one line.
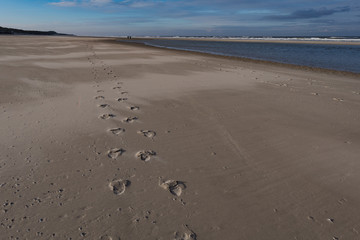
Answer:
[(103, 140)]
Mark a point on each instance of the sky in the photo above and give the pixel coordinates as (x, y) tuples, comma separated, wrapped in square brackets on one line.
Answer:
[(185, 17)]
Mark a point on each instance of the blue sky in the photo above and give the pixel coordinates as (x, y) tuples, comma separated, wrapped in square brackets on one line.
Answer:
[(185, 17)]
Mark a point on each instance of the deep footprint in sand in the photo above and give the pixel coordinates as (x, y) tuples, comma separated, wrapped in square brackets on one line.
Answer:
[(134, 108), (174, 187), (145, 155), (130, 119), (107, 116), (106, 237), (338, 99), (115, 152), (104, 105), (186, 234), (116, 88), (119, 186), (147, 133), (122, 99), (117, 131), (99, 97)]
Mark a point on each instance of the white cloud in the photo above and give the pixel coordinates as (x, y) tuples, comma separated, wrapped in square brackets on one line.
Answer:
[(64, 4), (104, 3), (142, 4), (99, 2), (82, 3)]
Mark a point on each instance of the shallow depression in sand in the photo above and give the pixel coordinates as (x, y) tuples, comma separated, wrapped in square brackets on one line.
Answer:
[(119, 186)]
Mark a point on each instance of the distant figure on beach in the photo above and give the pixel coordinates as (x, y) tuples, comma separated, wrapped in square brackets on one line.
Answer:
[(128, 37)]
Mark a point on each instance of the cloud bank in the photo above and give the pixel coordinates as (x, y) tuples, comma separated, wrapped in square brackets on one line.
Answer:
[(214, 17), (309, 13)]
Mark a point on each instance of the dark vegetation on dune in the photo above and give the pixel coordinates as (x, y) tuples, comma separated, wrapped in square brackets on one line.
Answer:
[(13, 31)]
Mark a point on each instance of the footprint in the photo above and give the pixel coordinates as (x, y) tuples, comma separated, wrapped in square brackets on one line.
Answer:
[(134, 108), (186, 234), (147, 133), (311, 218), (104, 105), (145, 155), (174, 187), (100, 91), (122, 99), (119, 186), (99, 97), (115, 152), (338, 99), (124, 92), (116, 88), (107, 116), (106, 237), (130, 119), (117, 131)]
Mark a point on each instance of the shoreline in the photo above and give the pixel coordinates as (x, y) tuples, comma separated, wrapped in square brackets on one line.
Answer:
[(118, 40), (256, 40), (240, 59)]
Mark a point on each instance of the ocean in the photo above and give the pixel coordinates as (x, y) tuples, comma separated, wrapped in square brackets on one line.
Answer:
[(333, 56)]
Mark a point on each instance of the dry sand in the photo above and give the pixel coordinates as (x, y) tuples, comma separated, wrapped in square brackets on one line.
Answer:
[(103, 140)]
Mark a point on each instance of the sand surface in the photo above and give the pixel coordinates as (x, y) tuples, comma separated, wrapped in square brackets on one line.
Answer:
[(103, 140)]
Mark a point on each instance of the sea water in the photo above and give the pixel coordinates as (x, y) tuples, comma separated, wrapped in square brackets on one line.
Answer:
[(341, 57)]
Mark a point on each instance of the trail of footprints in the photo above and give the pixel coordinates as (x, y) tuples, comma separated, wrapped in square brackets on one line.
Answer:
[(119, 186)]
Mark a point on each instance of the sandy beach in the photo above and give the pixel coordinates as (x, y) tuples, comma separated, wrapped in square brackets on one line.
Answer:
[(104, 140)]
